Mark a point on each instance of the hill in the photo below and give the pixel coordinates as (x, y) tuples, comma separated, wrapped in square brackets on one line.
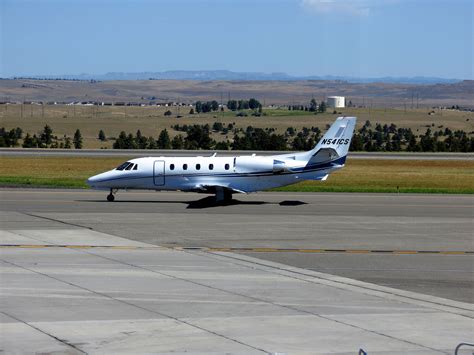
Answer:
[(271, 92)]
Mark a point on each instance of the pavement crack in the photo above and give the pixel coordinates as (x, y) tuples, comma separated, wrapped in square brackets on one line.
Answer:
[(292, 308), (43, 332), (57, 220), (339, 282), (188, 323)]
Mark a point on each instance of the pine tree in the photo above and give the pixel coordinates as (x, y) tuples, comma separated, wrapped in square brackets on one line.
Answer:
[(47, 135), (77, 139), (164, 140), (177, 142)]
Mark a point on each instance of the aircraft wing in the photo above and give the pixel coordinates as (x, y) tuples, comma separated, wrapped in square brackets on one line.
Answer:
[(212, 188)]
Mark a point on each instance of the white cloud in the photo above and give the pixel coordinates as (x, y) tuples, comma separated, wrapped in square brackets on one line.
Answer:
[(348, 7)]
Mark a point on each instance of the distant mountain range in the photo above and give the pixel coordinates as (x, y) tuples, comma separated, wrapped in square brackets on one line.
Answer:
[(239, 76)]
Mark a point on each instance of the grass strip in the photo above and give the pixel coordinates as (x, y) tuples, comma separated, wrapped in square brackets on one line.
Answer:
[(388, 176)]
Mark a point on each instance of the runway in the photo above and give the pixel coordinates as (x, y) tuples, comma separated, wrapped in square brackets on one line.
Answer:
[(421, 243), (135, 153), (273, 273)]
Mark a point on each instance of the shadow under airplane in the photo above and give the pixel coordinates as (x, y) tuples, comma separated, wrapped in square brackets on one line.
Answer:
[(206, 202)]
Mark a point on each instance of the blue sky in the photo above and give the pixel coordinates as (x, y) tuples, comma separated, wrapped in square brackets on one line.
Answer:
[(360, 38)]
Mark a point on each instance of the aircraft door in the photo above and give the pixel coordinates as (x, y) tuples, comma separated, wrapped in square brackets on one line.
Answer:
[(159, 173)]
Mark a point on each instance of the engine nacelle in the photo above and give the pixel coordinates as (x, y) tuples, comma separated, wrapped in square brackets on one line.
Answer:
[(253, 164)]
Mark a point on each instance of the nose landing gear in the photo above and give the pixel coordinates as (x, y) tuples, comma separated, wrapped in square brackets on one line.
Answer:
[(110, 196)]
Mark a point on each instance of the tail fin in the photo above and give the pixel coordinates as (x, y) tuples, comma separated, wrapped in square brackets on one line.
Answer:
[(335, 143)]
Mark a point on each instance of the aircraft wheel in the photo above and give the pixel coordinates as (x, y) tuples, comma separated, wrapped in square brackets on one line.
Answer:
[(110, 198), (227, 196)]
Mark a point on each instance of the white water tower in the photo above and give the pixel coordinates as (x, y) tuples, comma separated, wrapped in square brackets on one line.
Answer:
[(336, 101)]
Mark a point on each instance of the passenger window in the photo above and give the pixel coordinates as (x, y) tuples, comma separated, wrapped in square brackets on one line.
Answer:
[(211, 166), (129, 167), (135, 167), (185, 166), (227, 167), (198, 166), (171, 166)]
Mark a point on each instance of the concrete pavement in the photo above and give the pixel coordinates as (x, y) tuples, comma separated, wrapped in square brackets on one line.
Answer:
[(74, 290)]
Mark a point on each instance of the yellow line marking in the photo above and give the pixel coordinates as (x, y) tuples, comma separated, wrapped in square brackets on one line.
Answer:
[(250, 250)]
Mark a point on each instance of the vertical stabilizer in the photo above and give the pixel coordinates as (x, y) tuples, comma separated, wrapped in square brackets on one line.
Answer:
[(335, 143)]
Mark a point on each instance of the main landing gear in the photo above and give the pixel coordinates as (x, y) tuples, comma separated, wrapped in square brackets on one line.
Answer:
[(110, 196), (223, 195)]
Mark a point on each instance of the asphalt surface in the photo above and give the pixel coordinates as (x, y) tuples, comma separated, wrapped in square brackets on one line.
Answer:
[(421, 243), (147, 153)]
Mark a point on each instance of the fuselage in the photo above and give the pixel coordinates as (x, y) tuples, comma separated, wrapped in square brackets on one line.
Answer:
[(225, 175), (203, 174)]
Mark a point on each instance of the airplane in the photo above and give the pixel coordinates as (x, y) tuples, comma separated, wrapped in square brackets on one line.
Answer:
[(226, 175)]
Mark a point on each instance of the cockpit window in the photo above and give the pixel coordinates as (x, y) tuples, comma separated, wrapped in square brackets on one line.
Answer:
[(129, 167), (123, 166), (135, 167)]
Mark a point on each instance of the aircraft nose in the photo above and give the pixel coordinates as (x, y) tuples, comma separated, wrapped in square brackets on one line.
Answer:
[(92, 180)]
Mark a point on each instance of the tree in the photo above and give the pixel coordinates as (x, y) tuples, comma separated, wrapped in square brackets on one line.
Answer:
[(120, 141), (46, 136), (313, 105), (427, 143), (28, 142), (412, 145), (222, 145), (152, 143), (141, 141), (243, 105), (217, 126), (77, 139), (322, 107), (163, 141), (198, 106), (232, 105), (214, 105), (101, 136), (177, 142), (191, 111), (254, 104), (67, 142), (357, 143), (18, 133), (198, 137), (168, 113)]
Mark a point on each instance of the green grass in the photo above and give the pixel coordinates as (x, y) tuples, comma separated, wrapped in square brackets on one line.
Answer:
[(360, 175), (314, 188), (34, 181)]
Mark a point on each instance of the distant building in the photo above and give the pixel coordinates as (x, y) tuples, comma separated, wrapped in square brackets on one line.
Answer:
[(336, 101)]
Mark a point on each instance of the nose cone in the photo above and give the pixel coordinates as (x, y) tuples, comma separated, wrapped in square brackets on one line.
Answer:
[(92, 180), (101, 180)]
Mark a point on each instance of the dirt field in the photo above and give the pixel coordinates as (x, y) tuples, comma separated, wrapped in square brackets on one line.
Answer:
[(268, 92), (65, 119)]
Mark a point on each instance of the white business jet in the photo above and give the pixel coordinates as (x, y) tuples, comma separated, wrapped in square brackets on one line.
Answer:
[(226, 175)]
